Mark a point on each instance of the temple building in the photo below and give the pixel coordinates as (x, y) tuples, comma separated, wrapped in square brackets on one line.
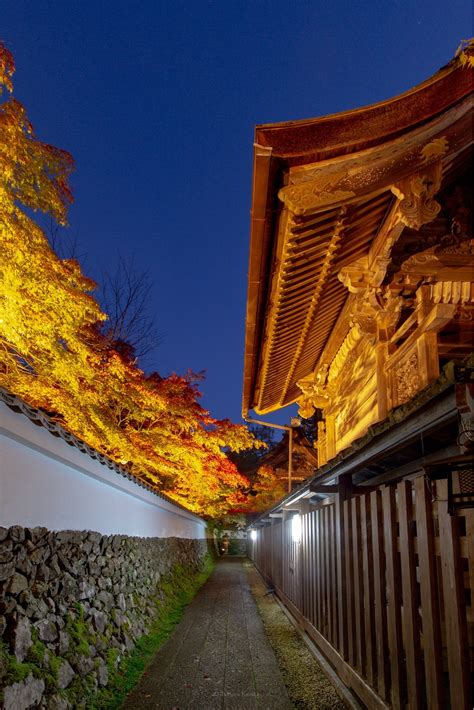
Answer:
[(361, 305)]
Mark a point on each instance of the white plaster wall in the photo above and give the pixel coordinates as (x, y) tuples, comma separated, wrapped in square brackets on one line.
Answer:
[(45, 481)]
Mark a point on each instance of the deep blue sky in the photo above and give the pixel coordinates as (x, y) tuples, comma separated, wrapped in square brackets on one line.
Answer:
[(157, 102)]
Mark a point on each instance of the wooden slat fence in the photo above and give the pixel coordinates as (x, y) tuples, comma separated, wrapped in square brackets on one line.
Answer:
[(383, 582)]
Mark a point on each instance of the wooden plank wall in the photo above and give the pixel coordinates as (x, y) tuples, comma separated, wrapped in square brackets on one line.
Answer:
[(384, 584)]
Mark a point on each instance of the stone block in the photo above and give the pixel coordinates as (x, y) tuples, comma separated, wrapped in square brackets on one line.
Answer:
[(65, 675), (106, 599), (68, 586), (6, 570), (16, 533), (47, 630), (36, 534), (63, 646), (8, 605), (99, 620), (38, 554), (37, 608), (21, 640), (83, 664), (17, 583), (6, 551), (26, 568), (87, 590), (26, 694), (102, 674), (56, 702), (121, 602)]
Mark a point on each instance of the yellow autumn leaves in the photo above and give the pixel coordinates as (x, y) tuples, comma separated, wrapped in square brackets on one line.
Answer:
[(53, 355)]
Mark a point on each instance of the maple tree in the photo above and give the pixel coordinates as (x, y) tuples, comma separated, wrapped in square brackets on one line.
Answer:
[(54, 353), (267, 487)]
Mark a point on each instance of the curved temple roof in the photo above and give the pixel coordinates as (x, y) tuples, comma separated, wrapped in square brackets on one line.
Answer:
[(324, 192)]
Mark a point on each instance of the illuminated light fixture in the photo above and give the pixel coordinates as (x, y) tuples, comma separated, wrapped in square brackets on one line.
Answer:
[(296, 528), (253, 535)]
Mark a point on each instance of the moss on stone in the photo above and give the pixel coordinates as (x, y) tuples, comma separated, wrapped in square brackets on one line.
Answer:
[(134, 576), (55, 663), (173, 595), (16, 671), (13, 671), (80, 634), (112, 655), (37, 650)]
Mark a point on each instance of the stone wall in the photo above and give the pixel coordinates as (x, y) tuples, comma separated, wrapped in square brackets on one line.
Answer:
[(72, 604)]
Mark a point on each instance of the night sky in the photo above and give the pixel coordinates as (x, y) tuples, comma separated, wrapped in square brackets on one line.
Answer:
[(157, 102)]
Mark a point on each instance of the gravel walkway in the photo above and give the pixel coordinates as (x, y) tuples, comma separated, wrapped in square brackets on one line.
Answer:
[(308, 686)]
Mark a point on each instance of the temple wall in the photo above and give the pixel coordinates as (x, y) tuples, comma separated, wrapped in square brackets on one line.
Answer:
[(89, 559), (46, 482)]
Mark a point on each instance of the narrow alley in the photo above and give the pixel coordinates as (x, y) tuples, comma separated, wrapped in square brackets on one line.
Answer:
[(218, 656)]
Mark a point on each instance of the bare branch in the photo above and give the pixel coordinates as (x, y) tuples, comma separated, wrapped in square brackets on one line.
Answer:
[(125, 296)]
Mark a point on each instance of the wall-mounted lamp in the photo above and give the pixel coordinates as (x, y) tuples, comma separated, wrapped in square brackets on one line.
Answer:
[(296, 528), (253, 535)]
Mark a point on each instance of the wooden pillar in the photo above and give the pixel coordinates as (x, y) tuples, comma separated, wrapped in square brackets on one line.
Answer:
[(432, 645), (454, 603), (428, 359), (423, 302), (285, 551), (383, 404), (394, 600), (321, 443), (303, 561), (330, 436), (272, 558), (344, 493)]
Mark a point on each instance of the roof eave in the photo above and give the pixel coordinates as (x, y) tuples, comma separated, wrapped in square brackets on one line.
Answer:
[(274, 155), (261, 221), (370, 125)]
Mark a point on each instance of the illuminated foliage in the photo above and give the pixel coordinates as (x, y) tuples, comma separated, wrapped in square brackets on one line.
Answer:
[(465, 53), (268, 488), (54, 356)]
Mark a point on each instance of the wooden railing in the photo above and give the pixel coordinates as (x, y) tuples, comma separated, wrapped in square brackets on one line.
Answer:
[(383, 583)]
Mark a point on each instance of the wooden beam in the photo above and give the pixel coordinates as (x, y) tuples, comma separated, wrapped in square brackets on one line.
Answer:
[(320, 488), (330, 489)]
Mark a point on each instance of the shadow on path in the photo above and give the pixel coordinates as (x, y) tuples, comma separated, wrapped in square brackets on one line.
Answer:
[(218, 655)]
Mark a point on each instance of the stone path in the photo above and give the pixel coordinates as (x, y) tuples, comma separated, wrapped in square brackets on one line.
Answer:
[(218, 655)]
